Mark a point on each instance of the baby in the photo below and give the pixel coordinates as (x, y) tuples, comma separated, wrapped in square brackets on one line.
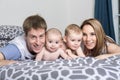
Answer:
[(72, 40), (52, 49)]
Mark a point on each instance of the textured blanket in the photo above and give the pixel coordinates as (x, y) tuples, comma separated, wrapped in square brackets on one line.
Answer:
[(77, 69)]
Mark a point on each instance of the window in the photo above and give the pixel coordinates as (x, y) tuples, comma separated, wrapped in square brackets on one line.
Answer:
[(119, 21), (116, 19)]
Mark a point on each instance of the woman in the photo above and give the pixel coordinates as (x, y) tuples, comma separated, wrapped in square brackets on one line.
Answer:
[(96, 43)]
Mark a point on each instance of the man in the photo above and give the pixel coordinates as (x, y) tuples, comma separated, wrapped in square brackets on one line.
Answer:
[(25, 47)]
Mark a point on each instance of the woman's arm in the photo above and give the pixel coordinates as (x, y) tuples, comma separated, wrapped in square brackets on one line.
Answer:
[(104, 56), (113, 49)]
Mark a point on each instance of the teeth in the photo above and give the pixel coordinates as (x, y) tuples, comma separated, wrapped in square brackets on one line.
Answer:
[(91, 41)]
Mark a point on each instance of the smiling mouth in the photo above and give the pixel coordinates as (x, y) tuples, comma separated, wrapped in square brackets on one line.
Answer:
[(37, 47), (90, 42), (52, 49)]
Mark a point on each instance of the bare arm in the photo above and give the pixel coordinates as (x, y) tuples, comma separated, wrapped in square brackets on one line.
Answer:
[(39, 56), (64, 55), (80, 52), (4, 62), (69, 52), (113, 49), (1, 56)]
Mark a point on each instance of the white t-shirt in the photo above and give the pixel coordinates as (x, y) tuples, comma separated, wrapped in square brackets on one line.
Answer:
[(21, 45)]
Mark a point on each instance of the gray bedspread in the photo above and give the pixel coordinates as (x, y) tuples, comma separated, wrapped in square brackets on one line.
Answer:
[(77, 69)]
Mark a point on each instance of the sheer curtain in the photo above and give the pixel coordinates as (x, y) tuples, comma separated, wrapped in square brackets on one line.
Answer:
[(103, 12)]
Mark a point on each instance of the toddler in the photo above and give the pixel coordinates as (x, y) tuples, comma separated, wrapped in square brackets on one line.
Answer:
[(72, 40)]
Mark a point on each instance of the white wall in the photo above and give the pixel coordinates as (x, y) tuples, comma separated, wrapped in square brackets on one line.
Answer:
[(57, 13)]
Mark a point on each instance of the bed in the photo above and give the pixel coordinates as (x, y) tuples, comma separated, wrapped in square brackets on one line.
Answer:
[(87, 68), (77, 69)]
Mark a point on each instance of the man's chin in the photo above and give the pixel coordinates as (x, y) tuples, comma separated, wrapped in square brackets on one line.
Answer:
[(35, 52)]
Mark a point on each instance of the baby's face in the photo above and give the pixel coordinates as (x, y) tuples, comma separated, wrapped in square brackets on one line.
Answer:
[(53, 43), (73, 41)]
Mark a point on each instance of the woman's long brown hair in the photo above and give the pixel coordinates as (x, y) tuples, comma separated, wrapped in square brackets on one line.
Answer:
[(100, 36)]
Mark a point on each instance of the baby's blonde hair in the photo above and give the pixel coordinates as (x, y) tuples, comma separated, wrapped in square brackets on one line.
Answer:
[(72, 28), (54, 31)]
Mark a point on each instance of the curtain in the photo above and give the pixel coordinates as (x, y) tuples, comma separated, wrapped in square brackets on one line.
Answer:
[(103, 12)]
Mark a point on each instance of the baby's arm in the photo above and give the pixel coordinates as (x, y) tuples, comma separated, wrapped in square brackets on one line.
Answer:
[(69, 52), (79, 52), (39, 56), (63, 54)]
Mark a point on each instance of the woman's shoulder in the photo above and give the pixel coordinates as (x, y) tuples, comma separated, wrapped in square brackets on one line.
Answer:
[(109, 39)]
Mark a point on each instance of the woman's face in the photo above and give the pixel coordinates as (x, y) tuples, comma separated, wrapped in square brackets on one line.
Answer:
[(89, 37)]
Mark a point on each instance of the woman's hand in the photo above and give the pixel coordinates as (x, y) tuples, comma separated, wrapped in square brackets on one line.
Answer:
[(104, 56)]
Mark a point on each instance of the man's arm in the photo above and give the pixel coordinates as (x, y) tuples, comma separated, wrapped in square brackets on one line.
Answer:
[(1, 56), (8, 54), (5, 62)]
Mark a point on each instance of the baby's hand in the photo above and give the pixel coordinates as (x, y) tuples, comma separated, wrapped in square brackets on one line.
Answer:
[(80, 52), (70, 54)]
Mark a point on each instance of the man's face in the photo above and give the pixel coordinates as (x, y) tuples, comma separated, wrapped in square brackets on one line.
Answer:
[(35, 40)]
